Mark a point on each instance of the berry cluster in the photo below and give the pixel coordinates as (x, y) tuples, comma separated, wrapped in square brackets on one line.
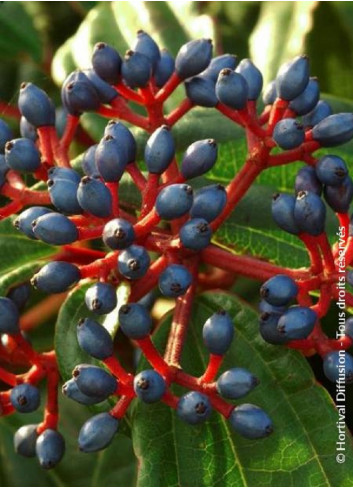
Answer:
[(166, 242)]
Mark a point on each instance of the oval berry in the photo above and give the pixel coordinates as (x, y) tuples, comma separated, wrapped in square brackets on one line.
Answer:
[(118, 234), (55, 228), (106, 62), (94, 339), (288, 134), (310, 213), (331, 170), (111, 159), (194, 408), (297, 323), (100, 298), (56, 276), (279, 290), (135, 321), (218, 333), (149, 386), (25, 398), (283, 212), (97, 432), (133, 262), (136, 69), (24, 221), (94, 381), (209, 202), (196, 234), (94, 197), (174, 280), (338, 365), (292, 78), (201, 91), (236, 383), (174, 201), (22, 155), (25, 440), (50, 448), (193, 57), (232, 89), (159, 150), (250, 421), (306, 179), (36, 106), (199, 158), (253, 77), (334, 130)]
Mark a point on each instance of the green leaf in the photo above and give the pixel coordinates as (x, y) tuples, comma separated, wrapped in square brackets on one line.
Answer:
[(17, 276), (300, 452)]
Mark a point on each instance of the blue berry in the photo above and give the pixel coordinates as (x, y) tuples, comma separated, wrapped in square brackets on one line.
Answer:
[(193, 57), (63, 194), (111, 159), (159, 150), (20, 294), (55, 277), (268, 328), (97, 432), (94, 339), (236, 383), (70, 389), (25, 440), (106, 93), (288, 134), (50, 448), (250, 421), (135, 320), (199, 158), (209, 202), (27, 130), (149, 299), (338, 366), (331, 170), (264, 306), (219, 63), (124, 136), (279, 290), (94, 197), (283, 212), (4, 168), (55, 228), (106, 62), (79, 95), (5, 135), (292, 78), (218, 333), (89, 165), (307, 100), (136, 69), (194, 408), (144, 44), (100, 298), (94, 381), (232, 89), (340, 198), (270, 93), (24, 221), (174, 280), (201, 91), (36, 106), (310, 213), (133, 262), (58, 173), (22, 155), (319, 112), (118, 234), (349, 327), (306, 179), (334, 130), (25, 398), (174, 201), (253, 77), (149, 386), (196, 234), (297, 323), (164, 68), (9, 316)]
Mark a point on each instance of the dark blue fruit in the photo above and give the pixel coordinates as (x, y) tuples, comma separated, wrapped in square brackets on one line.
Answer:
[(253, 77), (25, 398), (24, 221), (201, 91), (270, 93), (307, 100), (20, 294), (50, 448), (340, 198), (310, 213), (268, 328), (279, 290), (94, 339), (94, 197), (133, 262), (306, 179), (106, 92), (232, 89), (174, 280), (219, 63), (118, 234), (97, 432), (264, 306), (319, 112), (199, 158), (25, 440), (283, 212), (9, 316), (209, 202), (106, 62), (164, 68), (135, 321), (22, 155), (89, 162), (194, 408), (55, 277), (111, 159), (36, 106), (159, 150), (174, 201), (250, 421), (124, 136), (94, 381), (288, 134), (63, 194), (100, 298), (292, 78), (5, 135), (236, 383), (334, 130), (149, 386), (27, 130), (331, 170), (136, 69), (70, 389), (59, 173), (79, 95), (55, 228), (218, 333), (196, 234), (144, 44), (338, 366), (193, 57), (297, 323)]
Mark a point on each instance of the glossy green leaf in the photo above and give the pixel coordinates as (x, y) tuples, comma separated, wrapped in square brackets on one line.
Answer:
[(300, 452), (18, 275)]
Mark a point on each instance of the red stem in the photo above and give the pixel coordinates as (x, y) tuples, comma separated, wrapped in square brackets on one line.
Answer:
[(153, 356), (183, 108), (214, 364), (72, 122), (114, 192), (136, 175), (173, 82)]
